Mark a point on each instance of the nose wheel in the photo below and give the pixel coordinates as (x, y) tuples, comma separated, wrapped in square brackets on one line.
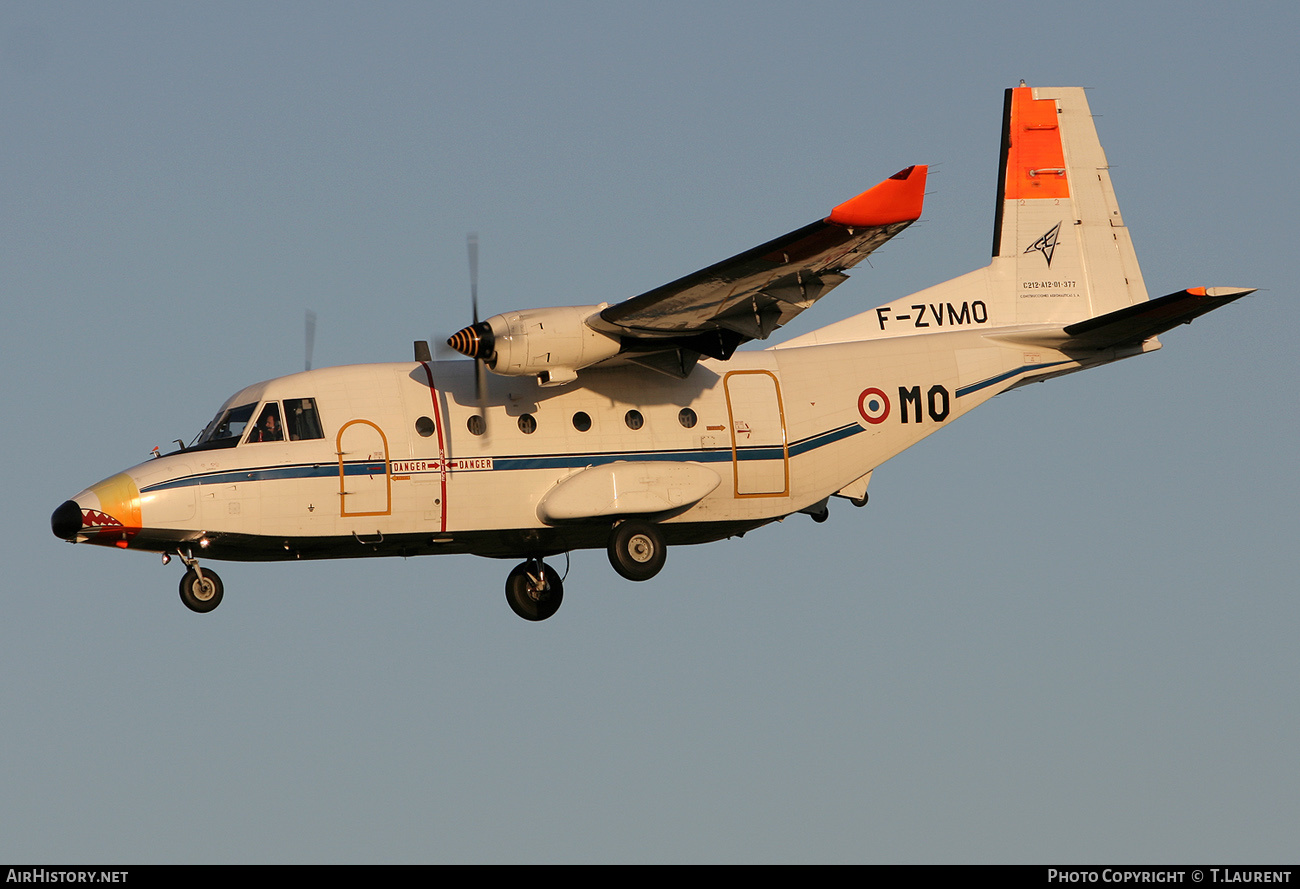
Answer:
[(201, 591), (534, 590)]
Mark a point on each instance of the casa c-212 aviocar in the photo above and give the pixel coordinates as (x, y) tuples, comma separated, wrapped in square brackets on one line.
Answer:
[(640, 425)]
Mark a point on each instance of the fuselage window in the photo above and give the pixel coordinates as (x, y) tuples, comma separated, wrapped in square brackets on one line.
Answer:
[(476, 424), (633, 419), (424, 426), (527, 424), (301, 419), (581, 421), (268, 426), (686, 417)]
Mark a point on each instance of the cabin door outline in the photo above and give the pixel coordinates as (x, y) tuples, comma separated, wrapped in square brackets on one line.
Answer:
[(365, 472), (760, 453)]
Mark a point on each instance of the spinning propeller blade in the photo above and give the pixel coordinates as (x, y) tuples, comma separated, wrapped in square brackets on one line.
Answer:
[(475, 341), (310, 323)]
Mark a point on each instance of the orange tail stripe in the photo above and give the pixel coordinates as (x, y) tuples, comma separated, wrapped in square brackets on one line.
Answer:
[(1035, 160)]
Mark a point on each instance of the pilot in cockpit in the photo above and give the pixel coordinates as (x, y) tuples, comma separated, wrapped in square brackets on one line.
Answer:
[(268, 425)]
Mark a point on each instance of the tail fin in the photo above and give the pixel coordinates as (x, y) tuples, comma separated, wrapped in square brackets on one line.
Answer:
[(1061, 251), (1057, 217)]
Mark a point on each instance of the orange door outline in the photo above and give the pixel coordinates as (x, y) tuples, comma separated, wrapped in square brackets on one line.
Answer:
[(388, 473), (747, 415)]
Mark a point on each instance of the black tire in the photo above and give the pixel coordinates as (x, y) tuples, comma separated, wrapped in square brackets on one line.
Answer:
[(528, 598), (636, 550), (201, 595)]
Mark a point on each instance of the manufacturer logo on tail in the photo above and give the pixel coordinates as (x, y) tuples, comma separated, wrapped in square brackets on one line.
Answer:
[(1046, 244)]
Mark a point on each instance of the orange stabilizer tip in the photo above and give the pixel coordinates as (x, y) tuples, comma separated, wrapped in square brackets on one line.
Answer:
[(1196, 291), (898, 199)]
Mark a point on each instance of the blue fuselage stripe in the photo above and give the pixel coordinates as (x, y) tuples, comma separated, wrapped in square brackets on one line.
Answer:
[(993, 381), (532, 461)]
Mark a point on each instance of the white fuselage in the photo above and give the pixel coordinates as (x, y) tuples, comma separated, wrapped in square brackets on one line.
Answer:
[(400, 471)]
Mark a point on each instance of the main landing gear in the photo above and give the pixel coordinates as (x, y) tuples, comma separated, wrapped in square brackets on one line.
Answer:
[(534, 590), (636, 549)]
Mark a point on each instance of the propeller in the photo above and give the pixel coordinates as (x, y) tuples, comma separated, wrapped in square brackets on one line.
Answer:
[(475, 341), (471, 243), (310, 324)]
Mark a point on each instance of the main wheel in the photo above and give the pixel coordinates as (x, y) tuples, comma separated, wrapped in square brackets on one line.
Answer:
[(534, 590), (201, 594), (636, 550)]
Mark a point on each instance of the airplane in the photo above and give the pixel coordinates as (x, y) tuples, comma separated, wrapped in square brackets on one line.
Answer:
[(640, 425)]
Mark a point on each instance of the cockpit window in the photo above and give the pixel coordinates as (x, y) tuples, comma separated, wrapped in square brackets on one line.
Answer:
[(268, 426), (301, 419), (300, 422), (226, 428)]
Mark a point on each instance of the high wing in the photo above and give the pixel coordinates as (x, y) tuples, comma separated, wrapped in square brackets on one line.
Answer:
[(710, 312), (748, 296)]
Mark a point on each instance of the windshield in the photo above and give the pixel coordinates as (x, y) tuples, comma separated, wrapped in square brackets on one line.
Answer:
[(226, 428), (301, 422)]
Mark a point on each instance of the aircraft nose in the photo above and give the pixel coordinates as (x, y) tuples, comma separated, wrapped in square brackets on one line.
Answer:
[(66, 520)]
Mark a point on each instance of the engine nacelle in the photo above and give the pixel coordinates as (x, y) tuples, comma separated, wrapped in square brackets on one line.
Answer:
[(551, 344)]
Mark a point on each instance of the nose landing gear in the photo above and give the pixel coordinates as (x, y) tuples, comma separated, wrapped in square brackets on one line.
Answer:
[(201, 592), (534, 590), (201, 588)]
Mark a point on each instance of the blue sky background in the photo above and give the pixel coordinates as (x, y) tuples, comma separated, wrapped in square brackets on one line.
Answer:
[(1062, 631)]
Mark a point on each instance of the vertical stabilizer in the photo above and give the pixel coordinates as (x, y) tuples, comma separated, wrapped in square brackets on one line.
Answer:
[(1061, 251), (1057, 217)]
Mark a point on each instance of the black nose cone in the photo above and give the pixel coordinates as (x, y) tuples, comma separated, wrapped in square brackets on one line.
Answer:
[(66, 520)]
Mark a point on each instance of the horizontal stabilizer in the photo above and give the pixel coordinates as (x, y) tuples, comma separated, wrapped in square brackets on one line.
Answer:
[(1133, 324)]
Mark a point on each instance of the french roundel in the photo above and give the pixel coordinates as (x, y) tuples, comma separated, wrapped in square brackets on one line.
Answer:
[(874, 406)]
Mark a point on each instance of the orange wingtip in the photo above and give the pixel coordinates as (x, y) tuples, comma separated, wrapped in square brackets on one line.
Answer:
[(897, 199)]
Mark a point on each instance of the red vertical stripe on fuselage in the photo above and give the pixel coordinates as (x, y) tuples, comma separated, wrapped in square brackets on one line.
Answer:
[(442, 448)]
